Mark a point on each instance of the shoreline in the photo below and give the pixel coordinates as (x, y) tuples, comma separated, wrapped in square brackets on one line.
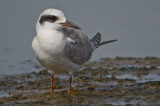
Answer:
[(112, 81)]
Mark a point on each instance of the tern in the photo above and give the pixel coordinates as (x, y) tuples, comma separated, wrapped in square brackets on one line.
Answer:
[(60, 46)]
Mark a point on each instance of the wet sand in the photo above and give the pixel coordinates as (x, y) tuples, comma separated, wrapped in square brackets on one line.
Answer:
[(112, 81)]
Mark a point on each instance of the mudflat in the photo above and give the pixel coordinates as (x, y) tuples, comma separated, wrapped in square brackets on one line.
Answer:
[(112, 81)]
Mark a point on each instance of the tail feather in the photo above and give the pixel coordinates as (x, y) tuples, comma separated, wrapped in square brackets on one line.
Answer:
[(96, 41), (106, 42)]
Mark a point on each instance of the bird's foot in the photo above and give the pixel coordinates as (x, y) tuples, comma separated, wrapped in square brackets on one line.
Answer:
[(69, 90), (51, 91)]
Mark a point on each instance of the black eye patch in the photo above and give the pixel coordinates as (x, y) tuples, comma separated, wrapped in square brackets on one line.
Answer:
[(49, 18), (52, 18)]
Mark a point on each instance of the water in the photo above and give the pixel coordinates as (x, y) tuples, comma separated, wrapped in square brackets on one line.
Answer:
[(134, 23), (145, 78)]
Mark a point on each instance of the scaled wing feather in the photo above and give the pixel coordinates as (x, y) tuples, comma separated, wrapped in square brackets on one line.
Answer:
[(78, 49)]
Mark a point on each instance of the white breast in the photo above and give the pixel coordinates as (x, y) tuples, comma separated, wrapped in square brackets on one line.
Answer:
[(49, 50)]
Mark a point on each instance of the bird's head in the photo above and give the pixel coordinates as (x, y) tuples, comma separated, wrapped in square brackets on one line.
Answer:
[(54, 19)]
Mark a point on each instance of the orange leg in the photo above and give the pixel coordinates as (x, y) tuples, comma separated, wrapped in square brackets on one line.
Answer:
[(70, 81), (52, 79)]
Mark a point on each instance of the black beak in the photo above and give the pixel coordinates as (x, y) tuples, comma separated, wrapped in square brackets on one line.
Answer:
[(70, 24)]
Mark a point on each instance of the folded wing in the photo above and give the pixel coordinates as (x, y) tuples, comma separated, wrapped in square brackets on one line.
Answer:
[(78, 48)]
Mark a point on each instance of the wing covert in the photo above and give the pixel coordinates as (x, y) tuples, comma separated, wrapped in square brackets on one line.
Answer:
[(78, 49)]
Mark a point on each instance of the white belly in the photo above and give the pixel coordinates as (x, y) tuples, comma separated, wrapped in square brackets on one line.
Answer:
[(50, 54)]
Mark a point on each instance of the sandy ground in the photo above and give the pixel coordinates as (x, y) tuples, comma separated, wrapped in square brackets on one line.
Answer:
[(118, 81)]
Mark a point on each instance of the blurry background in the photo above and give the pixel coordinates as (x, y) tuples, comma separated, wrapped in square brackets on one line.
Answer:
[(135, 23)]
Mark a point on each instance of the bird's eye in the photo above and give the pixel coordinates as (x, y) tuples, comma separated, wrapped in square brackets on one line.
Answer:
[(52, 18), (49, 18)]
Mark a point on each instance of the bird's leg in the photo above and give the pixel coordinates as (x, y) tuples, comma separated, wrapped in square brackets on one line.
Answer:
[(52, 79), (70, 81)]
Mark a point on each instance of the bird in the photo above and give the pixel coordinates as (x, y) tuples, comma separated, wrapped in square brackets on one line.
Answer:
[(61, 46)]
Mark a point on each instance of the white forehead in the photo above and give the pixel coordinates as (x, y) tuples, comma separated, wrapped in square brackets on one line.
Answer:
[(52, 11)]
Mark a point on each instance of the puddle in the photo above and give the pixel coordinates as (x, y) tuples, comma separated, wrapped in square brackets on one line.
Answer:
[(150, 77), (5, 94), (144, 78), (128, 76), (132, 102)]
